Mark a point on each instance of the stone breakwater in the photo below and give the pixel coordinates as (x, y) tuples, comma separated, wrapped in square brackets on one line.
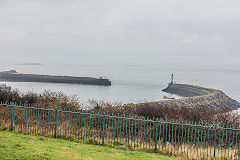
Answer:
[(194, 96), (12, 75)]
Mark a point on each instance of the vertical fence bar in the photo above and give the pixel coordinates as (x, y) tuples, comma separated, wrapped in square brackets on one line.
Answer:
[(163, 136), (69, 122), (194, 138), (3, 113), (12, 118), (88, 127), (166, 135), (182, 137), (223, 134), (238, 149), (215, 140), (201, 142), (55, 129), (144, 129), (112, 132), (185, 137), (191, 137), (236, 143), (160, 134), (229, 135), (171, 135), (156, 133), (73, 125), (38, 126), (59, 121), (207, 139), (48, 119), (115, 124), (103, 129), (117, 127), (120, 130), (71, 129), (226, 142), (175, 136), (135, 130), (198, 137), (219, 137), (188, 139), (126, 128), (211, 139), (65, 121), (232, 147), (109, 129), (92, 120), (150, 138), (132, 132), (31, 116), (229, 138), (79, 123), (16, 121), (179, 131), (141, 133), (147, 132)]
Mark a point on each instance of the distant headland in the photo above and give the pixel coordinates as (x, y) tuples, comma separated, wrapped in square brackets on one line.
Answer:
[(30, 64), (12, 75)]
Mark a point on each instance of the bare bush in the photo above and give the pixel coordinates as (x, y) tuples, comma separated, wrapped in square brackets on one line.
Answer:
[(202, 114), (228, 119), (101, 105), (47, 98)]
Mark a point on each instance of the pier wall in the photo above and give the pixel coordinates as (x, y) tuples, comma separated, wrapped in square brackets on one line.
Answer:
[(53, 79), (198, 96)]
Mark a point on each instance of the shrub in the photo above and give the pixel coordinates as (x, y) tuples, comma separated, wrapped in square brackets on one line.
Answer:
[(47, 98)]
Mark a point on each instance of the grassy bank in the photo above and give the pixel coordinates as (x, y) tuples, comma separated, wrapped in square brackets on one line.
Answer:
[(18, 146)]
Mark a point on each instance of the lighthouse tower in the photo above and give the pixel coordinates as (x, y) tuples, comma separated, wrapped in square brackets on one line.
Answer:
[(171, 83)]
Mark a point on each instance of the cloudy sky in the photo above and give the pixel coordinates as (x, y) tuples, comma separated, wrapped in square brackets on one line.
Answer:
[(141, 32)]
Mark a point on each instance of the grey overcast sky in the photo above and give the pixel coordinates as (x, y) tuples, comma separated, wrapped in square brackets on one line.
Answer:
[(181, 32)]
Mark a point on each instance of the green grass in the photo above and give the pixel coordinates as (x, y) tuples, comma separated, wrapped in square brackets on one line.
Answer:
[(18, 146)]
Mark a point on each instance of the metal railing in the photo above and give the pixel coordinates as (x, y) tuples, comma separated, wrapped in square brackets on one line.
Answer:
[(171, 137)]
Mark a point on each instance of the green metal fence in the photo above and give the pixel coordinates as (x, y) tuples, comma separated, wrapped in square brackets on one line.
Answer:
[(172, 137)]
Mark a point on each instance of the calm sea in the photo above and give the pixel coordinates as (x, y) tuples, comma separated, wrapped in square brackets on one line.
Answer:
[(130, 83)]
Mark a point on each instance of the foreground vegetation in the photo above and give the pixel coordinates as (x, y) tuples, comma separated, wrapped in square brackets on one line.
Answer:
[(18, 146), (204, 113), (58, 115)]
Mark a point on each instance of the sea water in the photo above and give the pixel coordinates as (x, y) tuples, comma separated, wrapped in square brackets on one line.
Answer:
[(130, 83)]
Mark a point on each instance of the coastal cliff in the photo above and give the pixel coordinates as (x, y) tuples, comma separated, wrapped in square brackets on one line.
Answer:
[(198, 96)]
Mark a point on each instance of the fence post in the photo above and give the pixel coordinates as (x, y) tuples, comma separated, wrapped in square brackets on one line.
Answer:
[(238, 149), (215, 140), (55, 129), (12, 119), (103, 128), (156, 133)]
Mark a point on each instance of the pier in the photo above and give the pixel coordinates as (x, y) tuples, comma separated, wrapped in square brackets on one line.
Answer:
[(12, 75)]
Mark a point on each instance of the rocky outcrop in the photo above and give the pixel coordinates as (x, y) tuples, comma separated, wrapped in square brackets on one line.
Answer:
[(198, 96)]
